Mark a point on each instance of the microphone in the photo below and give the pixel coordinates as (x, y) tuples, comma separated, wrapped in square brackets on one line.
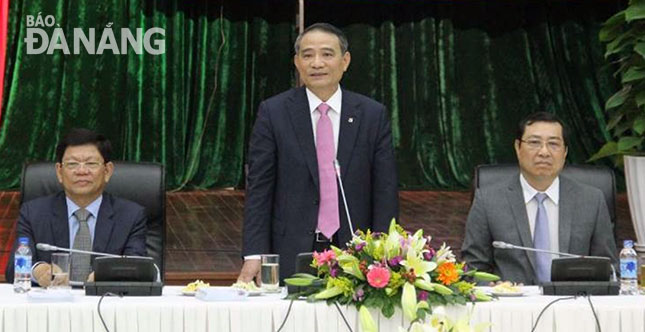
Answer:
[(49, 247), (342, 192), (504, 245)]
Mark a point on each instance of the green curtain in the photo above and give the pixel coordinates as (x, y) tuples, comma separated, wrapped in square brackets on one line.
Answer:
[(456, 76), (190, 108)]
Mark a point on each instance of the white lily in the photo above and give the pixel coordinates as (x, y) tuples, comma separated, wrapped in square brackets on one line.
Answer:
[(414, 261)]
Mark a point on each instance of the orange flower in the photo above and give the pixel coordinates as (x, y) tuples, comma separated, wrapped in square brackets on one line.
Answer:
[(447, 273)]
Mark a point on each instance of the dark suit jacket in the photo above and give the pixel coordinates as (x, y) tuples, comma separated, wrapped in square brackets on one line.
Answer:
[(282, 196), (120, 228), (498, 213)]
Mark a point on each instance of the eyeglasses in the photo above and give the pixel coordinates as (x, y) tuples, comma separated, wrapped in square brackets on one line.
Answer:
[(536, 144), (91, 165)]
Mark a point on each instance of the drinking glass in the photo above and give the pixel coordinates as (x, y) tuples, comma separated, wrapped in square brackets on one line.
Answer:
[(270, 272), (60, 271)]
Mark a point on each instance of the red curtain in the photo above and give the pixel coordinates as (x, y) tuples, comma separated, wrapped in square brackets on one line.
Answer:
[(4, 18)]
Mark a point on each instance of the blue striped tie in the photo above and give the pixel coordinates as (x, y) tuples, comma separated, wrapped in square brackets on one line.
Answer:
[(541, 240)]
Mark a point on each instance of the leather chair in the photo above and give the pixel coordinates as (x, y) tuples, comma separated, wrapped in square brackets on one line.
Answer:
[(601, 177), (143, 183)]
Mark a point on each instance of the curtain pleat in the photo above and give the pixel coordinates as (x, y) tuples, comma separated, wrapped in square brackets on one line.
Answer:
[(456, 77), (4, 16)]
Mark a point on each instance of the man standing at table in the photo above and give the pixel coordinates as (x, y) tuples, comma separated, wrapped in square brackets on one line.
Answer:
[(82, 216), (538, 208), (293, 200)]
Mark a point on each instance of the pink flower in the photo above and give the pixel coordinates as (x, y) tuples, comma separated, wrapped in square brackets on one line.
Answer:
[(324, 257), (378, 277)]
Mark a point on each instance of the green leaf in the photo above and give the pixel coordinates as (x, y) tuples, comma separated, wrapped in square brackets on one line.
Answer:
[(388, 309), (424, 284), (409, 301), (481, 296), (629, 142), (422, 305), (618, 98), (607, 34), (640, 49), (612, 27), (469, 273), (640, 98), (635, 11), (422, 315), (328, 293), (483, 276), (633, 74), (609, 149), (298, 281), (621, 128), (618, 44), (367, 322), (616, 19), (441, 289), (639, 124), (614, 119)]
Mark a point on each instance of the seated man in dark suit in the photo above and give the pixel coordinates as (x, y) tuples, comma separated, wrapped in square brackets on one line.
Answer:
[(82, 216), (538, 208)]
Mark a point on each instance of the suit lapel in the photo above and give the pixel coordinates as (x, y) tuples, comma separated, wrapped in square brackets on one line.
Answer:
[(60, 221), (566, 207), (298, 109), (515, 199), (349, 124), (104, 225)]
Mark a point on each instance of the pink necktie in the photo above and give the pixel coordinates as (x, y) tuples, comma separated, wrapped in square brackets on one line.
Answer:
[(328, 217)]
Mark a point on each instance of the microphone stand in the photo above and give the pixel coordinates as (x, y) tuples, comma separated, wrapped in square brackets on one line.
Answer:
[(49, 247), (504, 245), (342, 192)]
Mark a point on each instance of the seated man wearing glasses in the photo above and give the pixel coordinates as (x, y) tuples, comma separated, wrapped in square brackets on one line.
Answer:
[(82, 216), (538, 208)]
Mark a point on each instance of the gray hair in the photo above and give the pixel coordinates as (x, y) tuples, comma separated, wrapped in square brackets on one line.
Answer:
[(324, 27)]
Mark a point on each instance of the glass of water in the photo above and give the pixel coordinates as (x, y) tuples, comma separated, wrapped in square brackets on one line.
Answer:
[(270, 272), (60, 271)]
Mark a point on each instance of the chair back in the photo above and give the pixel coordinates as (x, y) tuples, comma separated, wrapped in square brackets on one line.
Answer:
[(601, 177), (143, 183)]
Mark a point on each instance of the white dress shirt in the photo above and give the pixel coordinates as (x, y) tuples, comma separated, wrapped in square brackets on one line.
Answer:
[(550, 204), (334, 102)]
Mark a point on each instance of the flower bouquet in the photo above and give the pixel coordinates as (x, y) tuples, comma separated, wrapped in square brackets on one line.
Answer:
[(384, 270)]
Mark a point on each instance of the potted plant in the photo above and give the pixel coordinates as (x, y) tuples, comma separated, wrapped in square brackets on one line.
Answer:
[(624, 35)]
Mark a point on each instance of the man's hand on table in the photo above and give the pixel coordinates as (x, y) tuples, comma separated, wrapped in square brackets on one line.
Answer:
[(43, 274), (250, 270)]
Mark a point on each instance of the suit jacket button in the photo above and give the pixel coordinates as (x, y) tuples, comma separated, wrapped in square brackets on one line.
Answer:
[(316, 202), (312, 232)]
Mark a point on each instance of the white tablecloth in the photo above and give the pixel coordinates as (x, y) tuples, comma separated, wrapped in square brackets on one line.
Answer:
[(175, 312)]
